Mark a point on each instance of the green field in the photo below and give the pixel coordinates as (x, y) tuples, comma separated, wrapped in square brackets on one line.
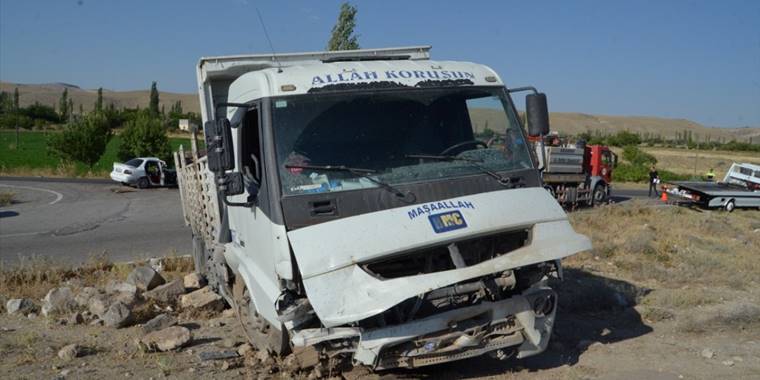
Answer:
[(31, 156)]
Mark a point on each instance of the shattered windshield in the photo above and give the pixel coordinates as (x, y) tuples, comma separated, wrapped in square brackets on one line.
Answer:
[(396, 136)]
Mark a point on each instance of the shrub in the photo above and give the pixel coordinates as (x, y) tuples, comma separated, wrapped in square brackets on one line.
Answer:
[(624, 138), (10, 121), (83, 140), (144, 136), (630, 173), (636, 156)]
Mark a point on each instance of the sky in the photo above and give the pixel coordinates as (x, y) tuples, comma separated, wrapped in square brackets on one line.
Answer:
[(698, 60)]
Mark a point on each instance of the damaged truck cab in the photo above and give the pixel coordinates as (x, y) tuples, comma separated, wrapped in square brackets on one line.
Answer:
[(350, 203)]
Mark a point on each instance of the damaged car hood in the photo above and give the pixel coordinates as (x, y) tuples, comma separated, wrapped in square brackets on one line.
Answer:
[(341, 291)]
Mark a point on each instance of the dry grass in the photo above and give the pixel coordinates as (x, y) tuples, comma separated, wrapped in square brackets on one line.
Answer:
[(689, 259), (63, 170), (683, 161), (6, 198), (34, 277)]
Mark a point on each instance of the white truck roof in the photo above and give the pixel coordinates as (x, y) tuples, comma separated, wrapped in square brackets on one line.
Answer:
[(244, 78)]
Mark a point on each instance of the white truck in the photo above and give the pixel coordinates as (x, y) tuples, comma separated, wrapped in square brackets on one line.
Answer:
[(346, 208)]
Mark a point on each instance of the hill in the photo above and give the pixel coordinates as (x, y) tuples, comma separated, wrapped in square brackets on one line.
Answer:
[(564, 122), (50, 93), (567, 123)]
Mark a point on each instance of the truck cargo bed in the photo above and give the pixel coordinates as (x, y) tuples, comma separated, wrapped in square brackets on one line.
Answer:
[(716, 189)]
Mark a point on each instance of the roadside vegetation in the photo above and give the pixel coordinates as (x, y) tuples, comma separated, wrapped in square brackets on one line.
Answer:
[(697, 269), (42, 140), (33, 277), (678, 159), (33, 157)]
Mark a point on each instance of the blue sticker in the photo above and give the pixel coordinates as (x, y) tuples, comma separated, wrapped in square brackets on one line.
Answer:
[(447, 221)]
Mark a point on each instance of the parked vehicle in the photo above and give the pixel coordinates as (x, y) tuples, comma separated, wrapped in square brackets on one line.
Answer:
[(144, 172), (576, 173), (740, 188), (349, 210)]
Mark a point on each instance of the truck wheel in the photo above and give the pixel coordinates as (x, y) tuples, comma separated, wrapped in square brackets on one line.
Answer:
[(730, 206), (258, 331), (599, 196), (143, 183)]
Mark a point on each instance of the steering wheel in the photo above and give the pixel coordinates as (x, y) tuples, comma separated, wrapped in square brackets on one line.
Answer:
[(463, 144)]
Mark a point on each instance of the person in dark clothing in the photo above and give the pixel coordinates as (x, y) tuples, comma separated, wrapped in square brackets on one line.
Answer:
[(654, 179)]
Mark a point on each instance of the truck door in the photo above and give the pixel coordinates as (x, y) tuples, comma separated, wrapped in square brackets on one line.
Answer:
[(254, 234), (607, 164)]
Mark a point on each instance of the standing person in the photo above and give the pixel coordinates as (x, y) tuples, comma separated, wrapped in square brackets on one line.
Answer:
[(654, 179)]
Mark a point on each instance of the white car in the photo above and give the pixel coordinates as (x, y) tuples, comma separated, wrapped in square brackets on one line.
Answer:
[(144, 172)]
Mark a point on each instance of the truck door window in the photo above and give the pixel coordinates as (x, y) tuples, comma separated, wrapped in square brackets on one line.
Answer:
[(606, 158), (250, 145)]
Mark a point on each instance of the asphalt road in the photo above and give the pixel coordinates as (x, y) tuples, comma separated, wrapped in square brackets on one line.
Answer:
[(70, 220)]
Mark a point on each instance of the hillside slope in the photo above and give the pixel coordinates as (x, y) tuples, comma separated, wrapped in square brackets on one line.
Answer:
[(49, 94), (565, 123)]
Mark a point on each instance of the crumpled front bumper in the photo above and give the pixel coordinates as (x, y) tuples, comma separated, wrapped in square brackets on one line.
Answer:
[(359, 295), (511, 325)]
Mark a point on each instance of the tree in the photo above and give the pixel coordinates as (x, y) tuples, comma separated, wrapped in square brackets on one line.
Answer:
[(343, 37), (63, 105), (15, 100), (83, 140), (153, 106), (99, 101), (144, 136), (71, 109)]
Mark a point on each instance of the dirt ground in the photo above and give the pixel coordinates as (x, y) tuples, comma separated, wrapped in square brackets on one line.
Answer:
[(667, 293)]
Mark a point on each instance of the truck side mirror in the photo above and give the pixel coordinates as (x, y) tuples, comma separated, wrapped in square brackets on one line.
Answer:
[(538, 114), (221, 155)]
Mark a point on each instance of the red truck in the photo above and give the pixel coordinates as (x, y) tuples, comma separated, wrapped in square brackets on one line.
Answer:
[(579, 174)]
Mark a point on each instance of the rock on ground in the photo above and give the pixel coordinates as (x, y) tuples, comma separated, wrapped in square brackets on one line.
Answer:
[(167, 293), (58, 300), (83, 296), (119, 286), (244, 349), (127, 298), (118, 315), (167, 339), (75, 318), (70, 352), (145, 278), (98, 305), (194, 281), (204, 299), (21, 306), (159, 322)]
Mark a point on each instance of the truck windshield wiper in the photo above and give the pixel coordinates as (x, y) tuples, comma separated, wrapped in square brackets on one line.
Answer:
[(364, 173), (506, 181)]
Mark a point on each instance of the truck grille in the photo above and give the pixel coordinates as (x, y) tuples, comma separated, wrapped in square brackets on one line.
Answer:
[(440, 258)]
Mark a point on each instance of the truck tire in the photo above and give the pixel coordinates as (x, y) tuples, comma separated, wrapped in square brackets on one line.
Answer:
[(143, 183), (259, 332), (730, 205), (599, 196)]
